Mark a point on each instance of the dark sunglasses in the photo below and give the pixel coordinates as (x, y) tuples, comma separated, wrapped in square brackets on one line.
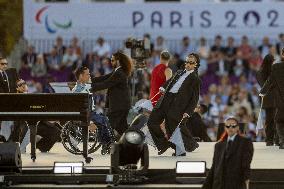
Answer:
[(3, 63), (21, 84), (231, 126), (191, 63)]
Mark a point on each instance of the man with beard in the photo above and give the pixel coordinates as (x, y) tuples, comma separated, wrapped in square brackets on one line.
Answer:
[(118, 94)]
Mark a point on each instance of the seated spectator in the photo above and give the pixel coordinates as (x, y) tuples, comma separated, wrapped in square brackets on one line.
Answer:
[(101, 48), (39, 68), (69, 58), (75, 47), (280, 44), (264, 47), (53, 60), (59, 47), (230, 52), (186, 48), (29, 58)]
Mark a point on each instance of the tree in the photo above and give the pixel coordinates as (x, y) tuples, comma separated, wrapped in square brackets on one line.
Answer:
[(11, 24)]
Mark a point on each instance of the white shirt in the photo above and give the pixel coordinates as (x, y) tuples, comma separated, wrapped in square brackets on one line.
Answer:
[(179, 82), (84, 88), (117, 68), (232, 138)]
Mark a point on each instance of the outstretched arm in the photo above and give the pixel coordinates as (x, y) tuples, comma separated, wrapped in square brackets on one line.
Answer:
[(111, 81)]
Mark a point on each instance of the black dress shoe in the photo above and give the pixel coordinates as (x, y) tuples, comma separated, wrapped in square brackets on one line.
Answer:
[(160, 152), (183, 154), (269, 143)]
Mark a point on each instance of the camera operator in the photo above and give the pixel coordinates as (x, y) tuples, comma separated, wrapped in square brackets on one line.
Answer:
[(118, 96)]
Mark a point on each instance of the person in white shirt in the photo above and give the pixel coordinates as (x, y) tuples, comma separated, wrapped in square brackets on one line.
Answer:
[(102, 48)]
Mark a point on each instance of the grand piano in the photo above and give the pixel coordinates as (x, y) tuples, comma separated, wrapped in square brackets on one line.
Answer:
[(33, 108)]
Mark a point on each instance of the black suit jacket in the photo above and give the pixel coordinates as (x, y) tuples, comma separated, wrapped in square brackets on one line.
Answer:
[(12, 78), (237, 164), (187, 97), (118, 97), (275, 83), (268, 101)]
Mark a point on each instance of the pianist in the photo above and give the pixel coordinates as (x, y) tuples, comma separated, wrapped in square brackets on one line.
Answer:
[(47, 132)]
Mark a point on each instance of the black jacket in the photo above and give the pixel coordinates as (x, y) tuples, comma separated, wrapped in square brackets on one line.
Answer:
[(197, 127), (275, 83), (268, 101), (186, 98), (234, 168), (118, 97), (12, 78)]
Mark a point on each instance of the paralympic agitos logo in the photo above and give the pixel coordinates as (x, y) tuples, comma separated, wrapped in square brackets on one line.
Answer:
[(51, 25)]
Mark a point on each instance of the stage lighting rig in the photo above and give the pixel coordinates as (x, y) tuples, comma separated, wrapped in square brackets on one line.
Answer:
[(125, 155)]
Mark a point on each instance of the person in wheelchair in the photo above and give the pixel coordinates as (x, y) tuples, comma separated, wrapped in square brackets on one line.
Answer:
[(99, 123)]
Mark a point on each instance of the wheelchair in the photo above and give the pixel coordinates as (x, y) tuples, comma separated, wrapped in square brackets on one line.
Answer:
[(103, 137)]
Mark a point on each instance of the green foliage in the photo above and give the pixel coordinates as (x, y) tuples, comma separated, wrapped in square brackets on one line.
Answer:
[(11, 24)]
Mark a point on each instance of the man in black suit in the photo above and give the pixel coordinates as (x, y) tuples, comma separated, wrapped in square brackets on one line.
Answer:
[(231, 162), (196, 125), (268, 103), (181, 95), (8, 77), (118, 94), (276, 83)]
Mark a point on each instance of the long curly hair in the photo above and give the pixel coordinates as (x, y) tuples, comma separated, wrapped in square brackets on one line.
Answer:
[(267, 65), (125, 62), (196, 56)]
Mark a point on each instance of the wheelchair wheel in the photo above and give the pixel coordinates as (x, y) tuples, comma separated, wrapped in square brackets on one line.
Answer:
[(105, 149), (72, 138)]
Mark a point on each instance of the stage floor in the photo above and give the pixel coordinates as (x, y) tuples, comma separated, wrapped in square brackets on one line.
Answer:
[(264, 157)]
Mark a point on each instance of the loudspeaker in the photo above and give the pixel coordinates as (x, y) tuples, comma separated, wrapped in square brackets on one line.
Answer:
[(221, 129), (10, 158)]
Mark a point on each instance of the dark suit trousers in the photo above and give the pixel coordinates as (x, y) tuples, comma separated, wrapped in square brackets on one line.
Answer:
[(50, 134), (118, 121), (279, 119), (19, 131), (157, 116), (270, 126)]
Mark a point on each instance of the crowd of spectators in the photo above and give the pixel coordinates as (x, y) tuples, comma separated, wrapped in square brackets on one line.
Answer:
[(227, 71)]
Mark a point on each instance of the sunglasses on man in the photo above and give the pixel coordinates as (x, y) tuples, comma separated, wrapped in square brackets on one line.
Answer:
[(189, 62), (21, 84), (231, 126), (4, 63)]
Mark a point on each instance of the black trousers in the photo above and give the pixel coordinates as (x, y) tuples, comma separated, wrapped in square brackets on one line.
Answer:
[(279, 119), (19, 131), (50, 134), (270, 126), (157, 116), (118, 120)]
